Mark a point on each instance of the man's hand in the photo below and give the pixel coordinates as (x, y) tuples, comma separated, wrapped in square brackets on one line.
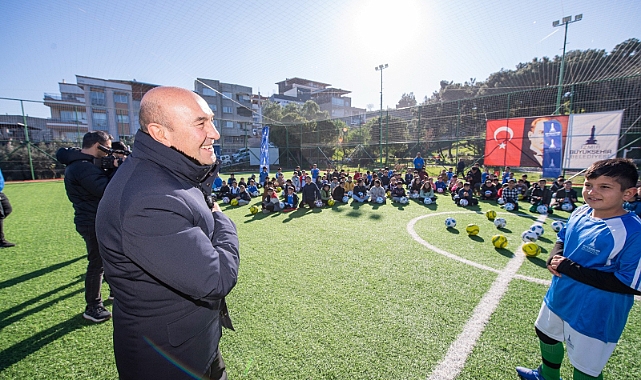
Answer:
[(215, 207), (554, 264)]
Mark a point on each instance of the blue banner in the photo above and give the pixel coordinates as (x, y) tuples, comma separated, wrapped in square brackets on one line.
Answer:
[(264, 150), (552, 149)]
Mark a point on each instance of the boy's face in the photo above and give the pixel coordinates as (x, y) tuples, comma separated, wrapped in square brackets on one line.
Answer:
[(605, 196)]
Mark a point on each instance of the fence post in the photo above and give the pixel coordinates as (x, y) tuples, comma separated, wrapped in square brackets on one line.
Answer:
[(386, 137), (26, 136), (458, 123)]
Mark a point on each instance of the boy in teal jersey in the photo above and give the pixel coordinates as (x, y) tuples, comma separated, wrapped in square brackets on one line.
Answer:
[(596, 265)]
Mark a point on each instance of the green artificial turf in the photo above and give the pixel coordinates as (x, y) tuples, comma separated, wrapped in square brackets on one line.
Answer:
[(338, 293)]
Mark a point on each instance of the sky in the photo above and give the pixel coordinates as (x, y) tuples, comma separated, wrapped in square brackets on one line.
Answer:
[(259, 43)]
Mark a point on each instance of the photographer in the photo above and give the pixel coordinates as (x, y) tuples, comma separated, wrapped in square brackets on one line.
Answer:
[(87, 174)]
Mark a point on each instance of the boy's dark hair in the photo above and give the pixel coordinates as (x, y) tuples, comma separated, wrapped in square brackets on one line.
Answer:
[(466, 184), (93, 137), (622, 170)]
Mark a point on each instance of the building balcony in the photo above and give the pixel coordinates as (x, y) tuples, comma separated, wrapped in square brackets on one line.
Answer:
[(64, 98)]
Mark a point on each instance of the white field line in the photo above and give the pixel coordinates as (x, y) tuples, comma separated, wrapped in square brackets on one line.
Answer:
[(459, 350)]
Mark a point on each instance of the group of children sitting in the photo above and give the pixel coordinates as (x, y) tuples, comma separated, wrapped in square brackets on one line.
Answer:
[(315, 189)]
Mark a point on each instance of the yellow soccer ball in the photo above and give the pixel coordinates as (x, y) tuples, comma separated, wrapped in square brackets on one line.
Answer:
[(531, 249), (234, 202), (520, 197), (253, 210), (330, 202), (389, 194), (472, 229), (490, 214), (279, 189), (499, 241)]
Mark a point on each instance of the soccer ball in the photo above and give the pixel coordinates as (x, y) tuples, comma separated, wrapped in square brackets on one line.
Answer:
[(439, 190), (253, 210), (537, 229), (415, 195), (380, 200), (557, 225), (389, 193), (499, 241), (472, 229), (345, 199), (255, 194), (490, 214), (488, 193), (529, 236), (403, 200), (279, 189), (520, 197), (463, 202), (428, 201), (509, 206), (450, 222), (318, 203), (500, 223), (500, 201), (234, 202), (225, 200), (531, 249), (349, 193), (542, 209), (282, 205), (567, 206), (330, 202)]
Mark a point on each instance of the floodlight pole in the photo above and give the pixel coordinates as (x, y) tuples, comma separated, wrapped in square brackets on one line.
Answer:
[(380, 117), (566, 21)]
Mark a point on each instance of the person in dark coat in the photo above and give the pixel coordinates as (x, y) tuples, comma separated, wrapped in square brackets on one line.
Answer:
[(310, 193), (86, 178), (170, 254)]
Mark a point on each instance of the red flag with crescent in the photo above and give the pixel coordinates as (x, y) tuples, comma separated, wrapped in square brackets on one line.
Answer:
[(504, 142)]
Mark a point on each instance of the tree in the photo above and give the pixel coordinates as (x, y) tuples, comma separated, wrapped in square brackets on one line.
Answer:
[(407, 100)]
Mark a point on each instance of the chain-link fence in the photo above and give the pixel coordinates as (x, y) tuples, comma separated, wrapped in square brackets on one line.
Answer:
[(442, 131)]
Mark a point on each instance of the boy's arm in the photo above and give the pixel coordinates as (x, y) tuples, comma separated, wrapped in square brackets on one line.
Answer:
[(601, 280)]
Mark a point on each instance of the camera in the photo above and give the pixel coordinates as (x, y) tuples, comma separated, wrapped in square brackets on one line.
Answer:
[(109, 161)]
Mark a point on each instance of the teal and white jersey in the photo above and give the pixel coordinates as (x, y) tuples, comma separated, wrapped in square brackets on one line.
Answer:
[(609, 245)]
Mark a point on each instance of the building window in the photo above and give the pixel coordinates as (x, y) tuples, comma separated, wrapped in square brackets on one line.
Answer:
[(213, 107), (122, 118), (121, 98), (73, 116), (228, 109), (229, 124), (99, 121), (337, 102), (208, 91), (97, 97), (228, 95)]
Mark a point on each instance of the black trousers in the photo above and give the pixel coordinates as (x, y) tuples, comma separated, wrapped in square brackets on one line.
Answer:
[(5, 210), (217, 369), (93, 279)]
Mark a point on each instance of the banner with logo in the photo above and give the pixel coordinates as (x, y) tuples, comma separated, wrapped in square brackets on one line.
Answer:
[(552, 148), (593, 137), (264, 149), (521, 142)]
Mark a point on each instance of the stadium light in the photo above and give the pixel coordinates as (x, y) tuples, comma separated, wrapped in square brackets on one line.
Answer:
[(565, 21), (380, 119)]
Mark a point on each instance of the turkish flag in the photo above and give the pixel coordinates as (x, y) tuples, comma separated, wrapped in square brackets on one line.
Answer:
[(504, 142)]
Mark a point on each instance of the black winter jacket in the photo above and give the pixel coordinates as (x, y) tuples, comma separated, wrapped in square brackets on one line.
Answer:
[(170, 262), (85, 183)]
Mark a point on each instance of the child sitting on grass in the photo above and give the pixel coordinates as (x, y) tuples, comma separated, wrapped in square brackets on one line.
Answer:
[(596, 263)]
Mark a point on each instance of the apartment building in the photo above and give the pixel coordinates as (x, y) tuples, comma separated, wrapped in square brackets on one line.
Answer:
[(233, 116), (330, 99), (93, 104)]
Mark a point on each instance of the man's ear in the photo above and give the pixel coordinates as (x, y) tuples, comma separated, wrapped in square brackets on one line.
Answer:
[(158, 133)]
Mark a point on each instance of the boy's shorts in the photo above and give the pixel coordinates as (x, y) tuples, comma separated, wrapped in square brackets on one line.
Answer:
[(586, 354)]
